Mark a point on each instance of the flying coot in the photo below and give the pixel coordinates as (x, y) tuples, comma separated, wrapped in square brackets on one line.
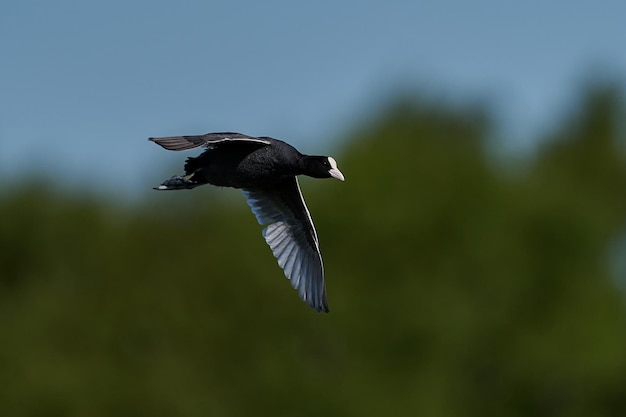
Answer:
[(265, 169)]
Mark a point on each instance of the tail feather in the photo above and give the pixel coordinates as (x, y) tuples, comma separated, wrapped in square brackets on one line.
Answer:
[(192, 164)]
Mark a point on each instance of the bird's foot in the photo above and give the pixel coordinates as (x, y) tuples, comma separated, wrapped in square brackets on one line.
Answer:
[(177, 182)]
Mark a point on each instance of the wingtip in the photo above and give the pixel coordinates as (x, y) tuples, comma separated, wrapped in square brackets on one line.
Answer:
[(323, 309), (321, 306)]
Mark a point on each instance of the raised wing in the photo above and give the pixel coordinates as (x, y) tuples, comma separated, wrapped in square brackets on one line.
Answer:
[(181, 143), (291, 236)]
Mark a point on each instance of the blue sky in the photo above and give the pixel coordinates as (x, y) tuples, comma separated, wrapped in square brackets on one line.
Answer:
[(84, 83)]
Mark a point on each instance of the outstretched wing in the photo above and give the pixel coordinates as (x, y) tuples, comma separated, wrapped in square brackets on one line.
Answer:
[(291, 236), (181, 143)]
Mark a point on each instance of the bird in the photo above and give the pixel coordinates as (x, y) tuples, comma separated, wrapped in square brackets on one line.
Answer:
[(266, 170)]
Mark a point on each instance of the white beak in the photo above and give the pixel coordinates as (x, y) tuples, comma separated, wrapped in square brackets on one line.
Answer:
[(334, 171)]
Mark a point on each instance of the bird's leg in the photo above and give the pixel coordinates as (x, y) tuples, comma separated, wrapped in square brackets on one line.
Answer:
[(178, 182)]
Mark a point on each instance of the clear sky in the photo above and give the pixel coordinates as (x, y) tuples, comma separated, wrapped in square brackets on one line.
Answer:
[(84, 83)]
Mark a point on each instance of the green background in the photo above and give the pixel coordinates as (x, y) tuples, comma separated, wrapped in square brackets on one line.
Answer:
[(461, 282)]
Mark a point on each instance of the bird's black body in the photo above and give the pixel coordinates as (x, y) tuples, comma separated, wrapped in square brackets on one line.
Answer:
[(265, 169), (246, 164)]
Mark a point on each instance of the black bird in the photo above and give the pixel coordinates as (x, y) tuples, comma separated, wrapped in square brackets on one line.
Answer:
[(265, 169)]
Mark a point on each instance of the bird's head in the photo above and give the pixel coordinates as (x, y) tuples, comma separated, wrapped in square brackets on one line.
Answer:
[(322, 167)]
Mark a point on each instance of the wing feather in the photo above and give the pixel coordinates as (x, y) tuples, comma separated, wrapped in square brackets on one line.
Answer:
[(291, 235), (181, 143)]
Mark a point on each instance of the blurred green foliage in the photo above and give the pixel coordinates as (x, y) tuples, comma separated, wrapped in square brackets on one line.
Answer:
[(459, 285)]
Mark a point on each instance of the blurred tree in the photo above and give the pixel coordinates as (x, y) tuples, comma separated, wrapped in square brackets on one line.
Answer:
[(457, 287)]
